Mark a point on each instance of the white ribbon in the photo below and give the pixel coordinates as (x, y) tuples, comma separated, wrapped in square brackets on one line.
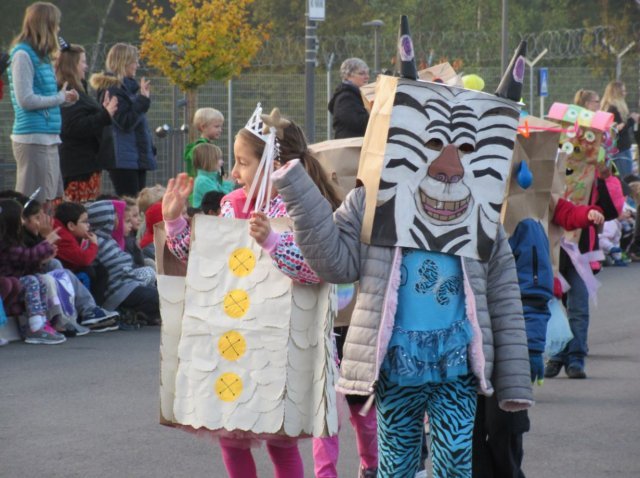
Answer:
[(261, 188)]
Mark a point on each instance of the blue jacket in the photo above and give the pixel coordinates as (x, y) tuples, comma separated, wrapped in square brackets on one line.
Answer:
[(46, 120), (127, 143)]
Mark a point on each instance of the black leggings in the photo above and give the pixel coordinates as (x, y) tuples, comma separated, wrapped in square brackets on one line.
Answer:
[(128, 182), (143, 299)]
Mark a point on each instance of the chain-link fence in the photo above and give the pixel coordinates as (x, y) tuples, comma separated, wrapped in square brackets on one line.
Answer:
[(277, 79)]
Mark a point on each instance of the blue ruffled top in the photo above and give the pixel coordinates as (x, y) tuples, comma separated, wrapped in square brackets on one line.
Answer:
[(431, 331)]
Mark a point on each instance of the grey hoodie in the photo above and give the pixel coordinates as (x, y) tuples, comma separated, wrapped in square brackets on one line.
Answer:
[(118, 263)]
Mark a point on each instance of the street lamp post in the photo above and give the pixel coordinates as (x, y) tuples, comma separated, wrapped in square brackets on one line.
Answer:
[(376, 24)]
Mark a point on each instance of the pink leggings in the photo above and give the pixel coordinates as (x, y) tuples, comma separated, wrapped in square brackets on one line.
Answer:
[(236, 454), (325, 450)]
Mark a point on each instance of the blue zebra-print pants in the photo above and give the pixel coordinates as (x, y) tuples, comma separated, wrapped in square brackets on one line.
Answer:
[(400, 411)]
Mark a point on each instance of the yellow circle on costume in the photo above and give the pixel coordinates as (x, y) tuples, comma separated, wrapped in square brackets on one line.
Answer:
[(242, 261), (228, 387), (236, 303), (232, 345)]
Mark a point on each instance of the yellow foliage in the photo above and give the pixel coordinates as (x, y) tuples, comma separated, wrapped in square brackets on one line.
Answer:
[(200, 40)]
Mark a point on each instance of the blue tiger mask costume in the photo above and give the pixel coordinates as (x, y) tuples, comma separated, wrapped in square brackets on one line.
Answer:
[(446, 163)]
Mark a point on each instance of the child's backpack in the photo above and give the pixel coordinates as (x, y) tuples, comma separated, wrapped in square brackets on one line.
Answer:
[(530, 247)]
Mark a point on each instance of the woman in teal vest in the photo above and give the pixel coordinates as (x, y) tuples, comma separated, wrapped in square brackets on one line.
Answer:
[(36, 103)]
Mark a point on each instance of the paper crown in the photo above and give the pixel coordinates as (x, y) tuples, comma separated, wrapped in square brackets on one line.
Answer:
[(256, 124)]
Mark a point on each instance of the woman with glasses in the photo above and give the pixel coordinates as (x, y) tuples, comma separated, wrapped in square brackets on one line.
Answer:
[(350, 117)]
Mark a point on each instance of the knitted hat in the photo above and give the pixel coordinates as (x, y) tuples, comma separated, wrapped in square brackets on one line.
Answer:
[(152, 217)]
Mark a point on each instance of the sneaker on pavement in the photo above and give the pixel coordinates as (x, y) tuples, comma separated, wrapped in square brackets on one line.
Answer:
[(368, 472), (81, 329), (552, 369), (44, 337), (104, 327), (575, 371), (98, 315)]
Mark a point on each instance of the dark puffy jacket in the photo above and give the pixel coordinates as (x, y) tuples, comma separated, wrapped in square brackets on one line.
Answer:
[(82, 128), (130, 145), (350, 117)]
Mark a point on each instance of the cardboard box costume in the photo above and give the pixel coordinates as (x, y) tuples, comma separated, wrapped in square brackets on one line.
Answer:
[(245, 351), (581, 140)]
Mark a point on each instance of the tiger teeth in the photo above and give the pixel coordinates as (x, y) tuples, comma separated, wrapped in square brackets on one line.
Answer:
[(431, 206)]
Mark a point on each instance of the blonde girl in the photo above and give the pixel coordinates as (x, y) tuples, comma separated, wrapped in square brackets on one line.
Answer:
[(614, 102), (36, 101), (132, 154), (207, 161)]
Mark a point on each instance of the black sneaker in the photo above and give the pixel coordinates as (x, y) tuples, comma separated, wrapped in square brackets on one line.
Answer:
[(552, 369), (575, 371), (97, 316), (109, 326)]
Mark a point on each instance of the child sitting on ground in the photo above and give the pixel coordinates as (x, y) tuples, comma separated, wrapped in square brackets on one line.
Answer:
[(609, 240), (207, 160), (131, 226), (129, 288), (18, 261), (208, 122), (146, 198), (74, 303)]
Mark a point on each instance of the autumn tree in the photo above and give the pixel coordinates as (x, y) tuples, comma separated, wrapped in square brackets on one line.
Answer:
[(197, 41)]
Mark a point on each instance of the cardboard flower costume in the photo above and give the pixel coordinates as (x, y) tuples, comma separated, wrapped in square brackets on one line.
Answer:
[(246, 350), (438, 315)]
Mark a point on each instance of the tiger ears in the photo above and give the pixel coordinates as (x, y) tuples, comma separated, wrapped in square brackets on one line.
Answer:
[(510, 86), (406, 53)]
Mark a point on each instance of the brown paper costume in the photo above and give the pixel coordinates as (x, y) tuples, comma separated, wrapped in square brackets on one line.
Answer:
[(339, 158), (435, 163), (535, 151)]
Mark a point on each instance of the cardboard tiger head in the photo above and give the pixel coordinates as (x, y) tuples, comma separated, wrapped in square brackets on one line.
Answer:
[(435, 163), (581, 141)]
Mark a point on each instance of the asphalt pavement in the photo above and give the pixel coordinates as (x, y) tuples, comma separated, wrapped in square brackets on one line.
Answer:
[(89, 408)]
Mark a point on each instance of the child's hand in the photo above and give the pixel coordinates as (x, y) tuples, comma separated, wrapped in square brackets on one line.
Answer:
[(176, 195), (259, 226), (53, 236), (595, 217), (92, 238), (536, 364), (46, 224)]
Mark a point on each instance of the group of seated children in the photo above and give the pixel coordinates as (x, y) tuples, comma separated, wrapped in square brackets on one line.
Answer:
[(82, 270), (91, 267)]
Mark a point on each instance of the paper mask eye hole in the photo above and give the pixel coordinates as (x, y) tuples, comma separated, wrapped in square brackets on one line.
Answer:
[(590, 136), (567, 147), (434, 144), (576, 149), (467, 148), (569, 172)]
